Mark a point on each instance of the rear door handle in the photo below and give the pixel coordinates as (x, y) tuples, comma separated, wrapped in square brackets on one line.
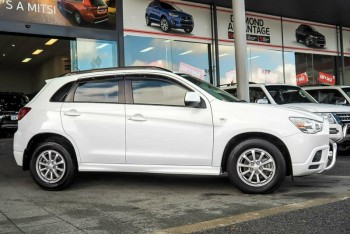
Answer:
[(137, 117), (72, 113)]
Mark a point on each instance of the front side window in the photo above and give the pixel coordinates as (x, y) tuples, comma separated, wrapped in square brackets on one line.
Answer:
[(101, 91), (257, 93), (158, 92), (328, 96)]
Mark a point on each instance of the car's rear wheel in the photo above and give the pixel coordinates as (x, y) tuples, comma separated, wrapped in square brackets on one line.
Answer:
[(148, 21), (256, 166), (77, 17), (164, 25), (51, 166), (188, 30)]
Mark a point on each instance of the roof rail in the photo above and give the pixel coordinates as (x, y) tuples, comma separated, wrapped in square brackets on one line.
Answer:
[(115, 68)]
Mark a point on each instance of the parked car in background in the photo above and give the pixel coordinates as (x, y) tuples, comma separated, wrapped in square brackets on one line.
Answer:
[(168, 16), (90, 11), (295, 97), (10, 104), (150, 120), (338, 95), (310, 36)]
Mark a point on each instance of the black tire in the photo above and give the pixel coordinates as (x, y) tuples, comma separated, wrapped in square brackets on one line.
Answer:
[(58, 159), (165, 25), (148, 21), (275, 170), (188, 30), (77, 18), (307, 41)]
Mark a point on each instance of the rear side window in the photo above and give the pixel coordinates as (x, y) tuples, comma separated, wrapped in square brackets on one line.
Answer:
[(61, 94), (100, 91)]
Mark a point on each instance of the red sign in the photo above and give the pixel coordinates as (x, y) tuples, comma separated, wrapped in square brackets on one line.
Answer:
[(194, 71), (326, 78), (302, 78)]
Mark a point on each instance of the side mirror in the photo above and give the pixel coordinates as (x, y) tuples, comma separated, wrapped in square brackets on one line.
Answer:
[(192, 99), (262, 101)]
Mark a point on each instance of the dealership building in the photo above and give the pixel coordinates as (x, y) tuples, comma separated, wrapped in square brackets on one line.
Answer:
[(292, 42)]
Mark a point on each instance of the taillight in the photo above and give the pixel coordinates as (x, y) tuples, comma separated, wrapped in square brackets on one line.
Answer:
[(22, 112)]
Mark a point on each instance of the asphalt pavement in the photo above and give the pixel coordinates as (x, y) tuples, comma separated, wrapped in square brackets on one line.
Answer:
[(148, 203)]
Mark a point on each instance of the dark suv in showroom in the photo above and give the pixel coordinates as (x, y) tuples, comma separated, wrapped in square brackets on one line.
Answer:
[(310, 36), (10, 104), (91, 11), (168, 16)]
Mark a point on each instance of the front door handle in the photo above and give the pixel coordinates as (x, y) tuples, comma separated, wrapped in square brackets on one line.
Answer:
[(137, 117), (72, 113)]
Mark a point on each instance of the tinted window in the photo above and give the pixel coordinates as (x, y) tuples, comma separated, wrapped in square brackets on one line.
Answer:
[(158, 92), (101, 91), (257, 93), (328, 96), (289, 94), (98, 3)]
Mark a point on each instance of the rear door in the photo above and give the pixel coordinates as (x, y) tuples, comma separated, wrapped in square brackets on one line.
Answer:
[(94, 117)]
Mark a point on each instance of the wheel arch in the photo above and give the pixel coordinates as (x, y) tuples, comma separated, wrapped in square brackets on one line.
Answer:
[(260, 135), (48, 137)]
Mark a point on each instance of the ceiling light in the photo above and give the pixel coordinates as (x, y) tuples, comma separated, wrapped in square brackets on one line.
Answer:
[(51, 41), (102, 46), (26, 60), (222, 55), (147, 49), (187, 52), (13, 45), (3, 55), (38, 51)]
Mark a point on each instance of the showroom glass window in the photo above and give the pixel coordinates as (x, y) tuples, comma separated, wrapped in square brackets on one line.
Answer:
[(100, 91), (158, 92), (227, 64), (186, 57), (313, 64), (92, 54), (265, 66)]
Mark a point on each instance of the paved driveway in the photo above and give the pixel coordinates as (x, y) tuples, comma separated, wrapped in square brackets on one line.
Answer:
[(141, 203)]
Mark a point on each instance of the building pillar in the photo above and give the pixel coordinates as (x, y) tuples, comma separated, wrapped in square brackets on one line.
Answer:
[(239, 24)]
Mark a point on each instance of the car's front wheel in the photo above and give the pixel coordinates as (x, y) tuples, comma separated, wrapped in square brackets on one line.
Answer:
[(308, 41), (164, 25), (77, 17), (256, 166), (51, 166), (148, 20), (188, 30)]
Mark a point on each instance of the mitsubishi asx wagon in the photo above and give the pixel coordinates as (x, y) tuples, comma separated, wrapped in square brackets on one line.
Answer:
[(310, 36), (168, 16), (150, 120), (90, 11)]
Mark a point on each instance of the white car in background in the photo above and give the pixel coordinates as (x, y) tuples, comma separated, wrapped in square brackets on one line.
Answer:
[(338, 95), (149, 120), (293, 96)]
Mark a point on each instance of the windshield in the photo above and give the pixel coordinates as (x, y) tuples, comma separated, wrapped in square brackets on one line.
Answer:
[(283, 94), (347, 91), (169, 6), (211, 89)]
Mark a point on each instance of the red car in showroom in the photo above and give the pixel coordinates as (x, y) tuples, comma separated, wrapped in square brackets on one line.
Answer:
[(91, 11)]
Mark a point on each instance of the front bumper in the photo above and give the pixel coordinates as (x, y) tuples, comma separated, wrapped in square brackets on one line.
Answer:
[(339, 133)]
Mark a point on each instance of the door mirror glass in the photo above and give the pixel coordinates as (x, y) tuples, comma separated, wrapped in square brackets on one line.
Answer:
[(262, 101), (192, 99)]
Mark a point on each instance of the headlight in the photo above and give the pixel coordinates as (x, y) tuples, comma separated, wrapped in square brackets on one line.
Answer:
[(329, 117), (307, 125), (173, 15)]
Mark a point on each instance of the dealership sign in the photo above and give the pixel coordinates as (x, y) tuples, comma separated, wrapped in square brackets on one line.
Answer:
[(302, 78), (326, 78)]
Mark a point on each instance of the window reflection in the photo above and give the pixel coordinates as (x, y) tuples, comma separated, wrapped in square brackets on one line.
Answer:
[(99, 92), (91, 54), (158, 92)]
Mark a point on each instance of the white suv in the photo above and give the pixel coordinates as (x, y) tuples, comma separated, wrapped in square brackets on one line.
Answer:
[(151, 120), (295, 97), (338, 95)]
